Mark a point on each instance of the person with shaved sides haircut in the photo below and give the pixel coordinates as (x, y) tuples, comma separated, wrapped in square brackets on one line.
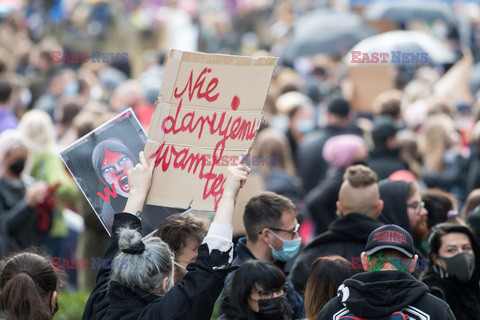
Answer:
[(358, 208)]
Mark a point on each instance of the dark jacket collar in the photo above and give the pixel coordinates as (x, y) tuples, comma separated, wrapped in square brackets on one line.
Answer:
[(352, 227), (383, 153), (244, 254), (123, 296)]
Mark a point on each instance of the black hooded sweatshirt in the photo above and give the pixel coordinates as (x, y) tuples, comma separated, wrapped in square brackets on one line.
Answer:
[(378, 294), (345, 237), (394, 195), (463, 298)]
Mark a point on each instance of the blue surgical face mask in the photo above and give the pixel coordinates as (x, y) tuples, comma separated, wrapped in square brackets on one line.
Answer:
[(71, 89), (289, 250), (305, 126)]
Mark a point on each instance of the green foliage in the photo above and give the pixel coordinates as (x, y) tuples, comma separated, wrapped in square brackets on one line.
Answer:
[(71, 305)]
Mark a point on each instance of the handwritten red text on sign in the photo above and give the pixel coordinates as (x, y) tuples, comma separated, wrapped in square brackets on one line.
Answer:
[(225, 127)]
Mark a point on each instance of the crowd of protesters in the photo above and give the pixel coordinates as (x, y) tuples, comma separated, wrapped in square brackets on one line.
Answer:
[(360, 215)]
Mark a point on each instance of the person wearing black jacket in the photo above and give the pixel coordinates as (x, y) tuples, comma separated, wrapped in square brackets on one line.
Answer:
[(453, 273), (272, 235), (403, 206), (384, 159), (18, 201), (311, 164), (120, 293), (339, 152), (387, 290), (232, 311), (258, 293), (358, 208)]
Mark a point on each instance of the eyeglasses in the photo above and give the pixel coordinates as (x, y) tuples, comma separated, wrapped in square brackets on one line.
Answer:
[(293, 231), (269, 293), (417, 206)]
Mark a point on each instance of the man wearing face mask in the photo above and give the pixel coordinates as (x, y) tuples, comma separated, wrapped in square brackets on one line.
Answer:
[(17, 201), (272, 235), (454, 271)]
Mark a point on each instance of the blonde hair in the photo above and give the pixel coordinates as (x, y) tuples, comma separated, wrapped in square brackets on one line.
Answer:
[(388, 103), (409, 152), (435, 141), (37, 126), (273, 146)]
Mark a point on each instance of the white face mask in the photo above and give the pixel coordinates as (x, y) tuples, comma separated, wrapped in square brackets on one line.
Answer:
[(180, 266)]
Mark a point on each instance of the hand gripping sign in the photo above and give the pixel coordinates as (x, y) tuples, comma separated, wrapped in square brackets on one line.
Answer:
[(209, 108)]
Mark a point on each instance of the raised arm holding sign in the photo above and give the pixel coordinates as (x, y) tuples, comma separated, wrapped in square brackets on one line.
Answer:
[(154, 296), (207, 115)]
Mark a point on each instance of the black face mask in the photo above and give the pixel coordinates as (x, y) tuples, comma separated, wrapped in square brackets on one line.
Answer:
[(17, 167), (271, 309), (462, 266)]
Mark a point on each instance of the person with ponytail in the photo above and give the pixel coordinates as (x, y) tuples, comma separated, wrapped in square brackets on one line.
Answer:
[(139, 284), (29, 284)]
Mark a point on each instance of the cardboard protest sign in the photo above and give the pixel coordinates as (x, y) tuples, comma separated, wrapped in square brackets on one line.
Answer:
[(454, 86), (254, 186), (207, 115), (99, 163), (368, 82)]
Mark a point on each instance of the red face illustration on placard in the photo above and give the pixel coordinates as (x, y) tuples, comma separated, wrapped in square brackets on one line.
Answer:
[(115, 166)]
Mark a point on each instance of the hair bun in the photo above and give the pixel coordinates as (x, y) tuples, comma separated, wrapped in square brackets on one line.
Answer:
[(130, 241)]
